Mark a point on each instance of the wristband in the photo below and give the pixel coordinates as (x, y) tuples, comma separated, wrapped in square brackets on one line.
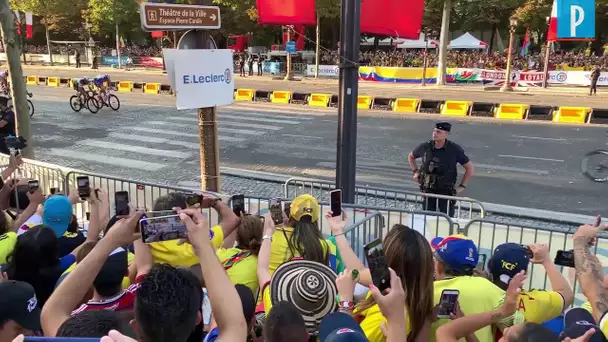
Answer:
[(267, 237)]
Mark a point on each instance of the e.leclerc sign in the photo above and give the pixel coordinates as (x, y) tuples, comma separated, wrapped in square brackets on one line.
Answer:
[(161, 16)]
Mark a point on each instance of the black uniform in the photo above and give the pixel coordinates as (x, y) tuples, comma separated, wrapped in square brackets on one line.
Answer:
[(438, 173)]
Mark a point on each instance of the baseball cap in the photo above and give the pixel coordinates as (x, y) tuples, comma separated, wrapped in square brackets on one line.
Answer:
[(457, 251), (114, 269), (57, 214), (576, 323), (339, 327), (508, 260), (305, 205), (18, 303)]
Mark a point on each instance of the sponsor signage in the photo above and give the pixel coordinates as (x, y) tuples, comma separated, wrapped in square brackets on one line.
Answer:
[(324, 70), (161, 16), (201, 78)]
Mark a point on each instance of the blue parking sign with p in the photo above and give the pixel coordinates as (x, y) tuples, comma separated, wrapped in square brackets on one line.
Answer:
[(575, 19)]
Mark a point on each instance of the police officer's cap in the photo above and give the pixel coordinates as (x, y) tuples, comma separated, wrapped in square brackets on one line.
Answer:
[(444, 126)]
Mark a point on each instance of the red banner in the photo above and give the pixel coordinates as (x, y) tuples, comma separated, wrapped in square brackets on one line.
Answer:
[(151, 62), (393, 18), (157, 34), (286, 12)]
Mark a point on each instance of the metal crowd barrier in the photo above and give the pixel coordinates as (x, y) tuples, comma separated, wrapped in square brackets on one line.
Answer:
[(557, 238), (48, 175), (464, 207)]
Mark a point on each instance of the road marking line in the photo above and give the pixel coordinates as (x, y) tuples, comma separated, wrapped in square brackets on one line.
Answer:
[(264, 109), (511, 169), (96, 158), (229, 123), (168, 132), (532, 158), (260, 119), (154, 140), (538, 138), (301, 136), (281, 146), (135, 149), (220, 129)]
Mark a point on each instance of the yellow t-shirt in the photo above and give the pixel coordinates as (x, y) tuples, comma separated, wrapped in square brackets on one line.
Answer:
[(372, 319), (7, 244), (476, 295), (279, 249), (587, 306), (242, 272), (604, 324), (539, 306), (126, 282), (169, 252)]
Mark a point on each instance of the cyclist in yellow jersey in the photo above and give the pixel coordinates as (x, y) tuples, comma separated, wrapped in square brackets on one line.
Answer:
[(456, 257), (537, 306)]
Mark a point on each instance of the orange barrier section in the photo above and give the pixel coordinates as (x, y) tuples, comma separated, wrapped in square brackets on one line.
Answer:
[(125, 86), (365, 102), (52, 81), (319, 100), (31, 80), (244, 95), (512, 111), (406, 105), (279, 96), (456, 108), (152, 88), (573, 115)]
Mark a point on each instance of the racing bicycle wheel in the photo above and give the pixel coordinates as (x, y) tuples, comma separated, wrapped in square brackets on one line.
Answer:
[(595, 166), (76, 103), (113, 102), (30, 106), (93, 105)]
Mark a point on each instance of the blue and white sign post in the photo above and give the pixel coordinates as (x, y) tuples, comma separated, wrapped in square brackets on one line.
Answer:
[(575, 19)]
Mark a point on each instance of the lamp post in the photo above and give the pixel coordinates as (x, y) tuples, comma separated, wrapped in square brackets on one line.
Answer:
[(512, 26), (428, 34)]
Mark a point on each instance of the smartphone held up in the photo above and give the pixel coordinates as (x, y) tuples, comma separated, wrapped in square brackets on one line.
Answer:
[(335, 201), (162, 228), (378, 265)]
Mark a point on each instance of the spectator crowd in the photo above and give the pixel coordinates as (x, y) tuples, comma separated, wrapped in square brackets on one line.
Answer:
[(271, 278)]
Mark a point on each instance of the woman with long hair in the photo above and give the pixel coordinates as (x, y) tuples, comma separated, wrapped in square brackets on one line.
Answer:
[(240, 262), (35, 260), (409, 254)]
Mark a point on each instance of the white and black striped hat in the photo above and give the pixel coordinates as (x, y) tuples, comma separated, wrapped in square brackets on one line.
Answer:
[(310, 286)]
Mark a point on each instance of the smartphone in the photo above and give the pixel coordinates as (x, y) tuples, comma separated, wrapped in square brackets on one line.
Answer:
[(378, 266), (275, 211), (84, 187), (238, 204), (287, 208), (53, 191), (121, 203), (481, 264), (564, 258), (33, 186), (194, 199), (448, 303), (335, 201), (12, 143), (163, 228)]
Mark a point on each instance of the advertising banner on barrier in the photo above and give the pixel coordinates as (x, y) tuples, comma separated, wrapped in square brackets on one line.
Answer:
[(149, 62), (577, 78), (324, 70)]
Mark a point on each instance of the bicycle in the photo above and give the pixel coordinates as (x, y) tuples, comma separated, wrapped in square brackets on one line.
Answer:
[(597, 172), (109, 100), (79, 101), (30, 105)]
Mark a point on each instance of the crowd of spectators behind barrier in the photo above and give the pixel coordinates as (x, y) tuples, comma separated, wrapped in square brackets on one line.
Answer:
[(272, 278), (407, 58)]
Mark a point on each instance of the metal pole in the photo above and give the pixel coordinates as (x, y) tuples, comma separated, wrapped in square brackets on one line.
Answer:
[(117, 37), (546, 66), (348, 93), (207, 129), (18, 90), (318, 46), (507, 85), (426, 49), (443, 42), (288, 75), (48, 41)]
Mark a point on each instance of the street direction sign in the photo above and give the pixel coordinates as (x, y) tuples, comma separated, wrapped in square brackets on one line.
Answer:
[(166, 17)]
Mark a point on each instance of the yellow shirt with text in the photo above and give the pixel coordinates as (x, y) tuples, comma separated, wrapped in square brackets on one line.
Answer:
[(244, 271), (279, 249), (476, 295), (372, 320), (169, 252), (7, 244), (539, 306)]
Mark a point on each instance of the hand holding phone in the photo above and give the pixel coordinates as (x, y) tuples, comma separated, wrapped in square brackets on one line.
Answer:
[(163, 228), (84, 187), (238, 204), (378, 265), (448, 304), (564, 258), (121, 203), (335, 199), (33, 186), (276, 212)]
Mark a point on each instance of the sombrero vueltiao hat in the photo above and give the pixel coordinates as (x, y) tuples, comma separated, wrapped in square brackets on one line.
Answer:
[(310, 286)]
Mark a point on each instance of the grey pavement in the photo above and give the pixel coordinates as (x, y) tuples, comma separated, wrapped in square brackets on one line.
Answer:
[(530, 165), (552, 97)]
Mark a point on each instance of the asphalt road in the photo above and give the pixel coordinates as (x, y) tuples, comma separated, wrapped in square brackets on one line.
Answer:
[(558, 97), (533, 165)]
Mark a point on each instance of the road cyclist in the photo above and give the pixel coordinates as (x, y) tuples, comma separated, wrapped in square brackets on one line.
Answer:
[(85, 95), (105, 97)]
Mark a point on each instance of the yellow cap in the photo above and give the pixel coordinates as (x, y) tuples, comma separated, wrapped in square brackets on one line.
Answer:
[(305, 205)]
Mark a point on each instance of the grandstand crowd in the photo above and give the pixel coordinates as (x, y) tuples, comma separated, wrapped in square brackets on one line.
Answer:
[(269, 278)]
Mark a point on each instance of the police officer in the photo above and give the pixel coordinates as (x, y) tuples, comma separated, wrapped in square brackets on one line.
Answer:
[(438, 173)]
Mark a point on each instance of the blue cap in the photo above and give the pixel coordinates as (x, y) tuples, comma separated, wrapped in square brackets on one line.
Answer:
[(57, 214), (456, 251), (507, 260), (338, 327)]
